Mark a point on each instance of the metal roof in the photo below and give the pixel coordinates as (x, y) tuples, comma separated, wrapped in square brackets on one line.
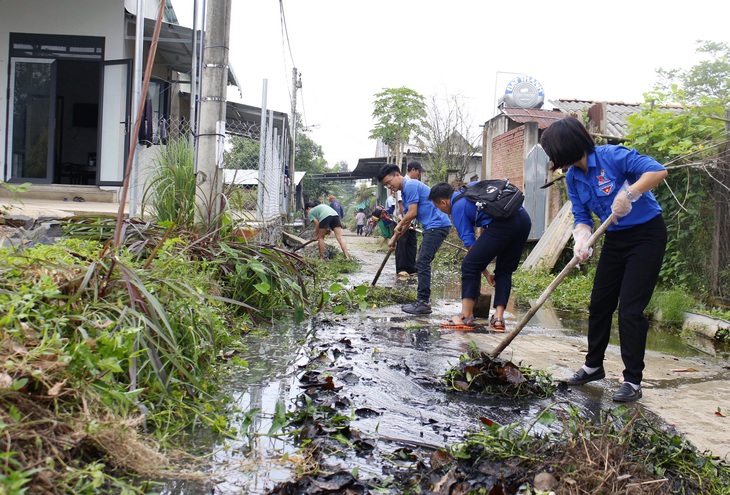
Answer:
[(615, 114), (523, 115), (239, 113), (241, 177), (174, 48)]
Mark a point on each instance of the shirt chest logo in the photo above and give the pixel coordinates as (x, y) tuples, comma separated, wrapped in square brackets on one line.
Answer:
[(605, 185)]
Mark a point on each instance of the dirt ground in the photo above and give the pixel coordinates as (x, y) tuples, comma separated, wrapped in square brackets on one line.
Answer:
[(693, 394)]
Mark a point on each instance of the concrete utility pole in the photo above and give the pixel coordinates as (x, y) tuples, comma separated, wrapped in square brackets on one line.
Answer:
[(296, 84), (213, 112)]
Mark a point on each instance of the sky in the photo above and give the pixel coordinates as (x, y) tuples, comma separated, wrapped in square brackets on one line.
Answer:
[(348, 50)]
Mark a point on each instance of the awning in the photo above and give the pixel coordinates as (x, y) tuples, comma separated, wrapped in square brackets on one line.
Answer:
[(175, 46)]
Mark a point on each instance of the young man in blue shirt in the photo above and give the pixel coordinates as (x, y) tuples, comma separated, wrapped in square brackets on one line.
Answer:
[(406, 248), (503, 239), (436, 226)]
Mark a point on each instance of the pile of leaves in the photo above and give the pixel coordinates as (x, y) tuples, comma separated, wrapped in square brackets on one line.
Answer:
[(479, 373), (616, 453)]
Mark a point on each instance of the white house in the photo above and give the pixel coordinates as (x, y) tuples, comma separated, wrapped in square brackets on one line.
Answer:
[(66, 94)]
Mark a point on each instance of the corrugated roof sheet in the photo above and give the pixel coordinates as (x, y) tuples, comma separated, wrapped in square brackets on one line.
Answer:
[(543, 117), (616, 113)]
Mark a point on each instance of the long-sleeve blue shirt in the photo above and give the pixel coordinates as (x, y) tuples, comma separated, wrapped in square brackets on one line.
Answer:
[(607, 168), (338, 208), (466, 217)]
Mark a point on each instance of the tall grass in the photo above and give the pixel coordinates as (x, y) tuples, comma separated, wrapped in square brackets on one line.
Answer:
[(171, 191)]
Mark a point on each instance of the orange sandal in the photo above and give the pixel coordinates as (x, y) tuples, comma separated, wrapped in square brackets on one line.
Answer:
[(497, 324), (466, 323)]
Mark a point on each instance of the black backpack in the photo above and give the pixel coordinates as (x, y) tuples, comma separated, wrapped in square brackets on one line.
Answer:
[(496, 198)]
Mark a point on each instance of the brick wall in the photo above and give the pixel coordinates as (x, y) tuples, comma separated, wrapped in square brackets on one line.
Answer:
[(508, 152)]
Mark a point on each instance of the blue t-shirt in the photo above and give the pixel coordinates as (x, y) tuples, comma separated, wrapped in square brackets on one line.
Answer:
[(606, 170), (430, 217)]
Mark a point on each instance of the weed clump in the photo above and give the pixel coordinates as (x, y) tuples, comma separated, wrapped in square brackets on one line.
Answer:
[(479, 373)]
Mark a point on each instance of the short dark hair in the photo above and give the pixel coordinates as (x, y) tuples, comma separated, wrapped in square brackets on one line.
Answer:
[(441, 190), (415, 164), (310, 204), (387, 170), (565, 141)]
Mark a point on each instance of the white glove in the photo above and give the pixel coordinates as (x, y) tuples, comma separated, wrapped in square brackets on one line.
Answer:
[(622, 202), (581, 234)]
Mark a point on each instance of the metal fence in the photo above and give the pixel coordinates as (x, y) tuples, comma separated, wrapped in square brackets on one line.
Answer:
[(250, 166)]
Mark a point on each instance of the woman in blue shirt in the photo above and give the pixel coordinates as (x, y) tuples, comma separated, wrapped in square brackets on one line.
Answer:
[(613, 180)]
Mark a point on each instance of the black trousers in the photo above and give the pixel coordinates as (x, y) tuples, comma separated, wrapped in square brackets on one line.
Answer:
[(503, 240), (627, 272), (406, 250)]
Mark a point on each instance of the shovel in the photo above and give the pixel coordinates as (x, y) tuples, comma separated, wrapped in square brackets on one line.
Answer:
[(295, 242), (385, 260), (310, 241), (541, 300)]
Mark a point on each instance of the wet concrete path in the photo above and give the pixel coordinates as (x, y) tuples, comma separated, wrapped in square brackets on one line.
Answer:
[(390, 367)]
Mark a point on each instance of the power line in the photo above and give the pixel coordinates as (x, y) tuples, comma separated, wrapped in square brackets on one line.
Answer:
[(285, 44)]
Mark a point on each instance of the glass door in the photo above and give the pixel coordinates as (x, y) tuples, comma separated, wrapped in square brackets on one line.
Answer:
[(115, 121), (32, 119)]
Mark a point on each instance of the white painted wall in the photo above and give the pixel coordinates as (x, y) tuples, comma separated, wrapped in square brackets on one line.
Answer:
[(104, 18)]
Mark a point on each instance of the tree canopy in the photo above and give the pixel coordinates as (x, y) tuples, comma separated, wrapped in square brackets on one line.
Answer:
[(449, 139), (399, 113), (684, 124)]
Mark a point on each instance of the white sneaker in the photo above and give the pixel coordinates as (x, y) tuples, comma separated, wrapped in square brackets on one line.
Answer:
[(403, 274)]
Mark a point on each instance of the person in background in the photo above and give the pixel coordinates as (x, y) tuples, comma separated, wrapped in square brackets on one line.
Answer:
[(436, 226), (385, 223), (407, 244), (390, 204), (336, 206), (414, 170), (360, 219), (325, 220), (613, 180), (503, 239)]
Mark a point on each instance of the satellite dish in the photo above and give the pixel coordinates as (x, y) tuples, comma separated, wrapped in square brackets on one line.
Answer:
[(523, 92)]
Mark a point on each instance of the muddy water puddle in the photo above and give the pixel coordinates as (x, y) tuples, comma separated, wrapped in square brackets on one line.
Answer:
[(388, 370), (389, 373)]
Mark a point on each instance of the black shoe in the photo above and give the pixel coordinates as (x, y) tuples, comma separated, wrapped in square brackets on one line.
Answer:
[(417, 308), (581, 377), (626, 393)]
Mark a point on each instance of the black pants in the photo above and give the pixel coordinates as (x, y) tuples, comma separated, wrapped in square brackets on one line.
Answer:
[(625, 278), (406, 250), (501, 239)]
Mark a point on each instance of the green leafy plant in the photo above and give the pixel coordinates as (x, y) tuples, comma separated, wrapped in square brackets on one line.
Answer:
[(14, 190), (171, 191), (672, 304)]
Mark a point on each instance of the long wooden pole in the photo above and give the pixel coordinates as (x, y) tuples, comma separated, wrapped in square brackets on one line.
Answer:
[(541, 300), (385, 260), (446, 242), (117, 238), (382, 265)]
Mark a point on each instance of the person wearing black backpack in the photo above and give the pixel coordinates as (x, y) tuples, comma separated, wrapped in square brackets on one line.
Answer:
[(502, 239)]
